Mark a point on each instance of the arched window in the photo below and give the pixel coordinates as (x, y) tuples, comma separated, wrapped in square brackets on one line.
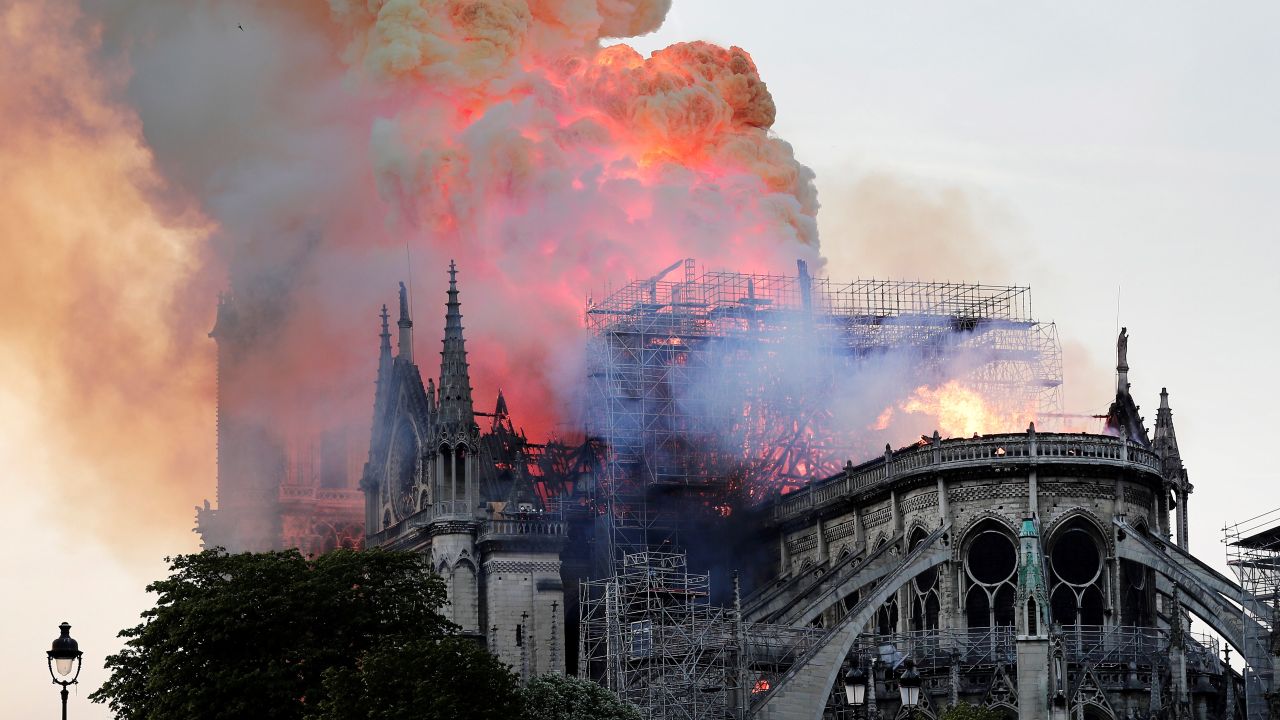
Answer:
[(990, 576), (1033, 617), (1075, 575), (925, 605)]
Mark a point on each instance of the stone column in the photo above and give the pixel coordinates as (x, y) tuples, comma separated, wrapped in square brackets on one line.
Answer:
[(1033, 677), (823, 551), (1182, 513)]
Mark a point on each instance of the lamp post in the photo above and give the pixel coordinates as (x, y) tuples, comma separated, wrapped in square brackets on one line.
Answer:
[(909, 685), (855, 688), (64, 657)]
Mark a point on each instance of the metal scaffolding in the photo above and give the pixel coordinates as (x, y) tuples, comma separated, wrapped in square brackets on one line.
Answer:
[(731, 387), (652, 635), (1253, 552)]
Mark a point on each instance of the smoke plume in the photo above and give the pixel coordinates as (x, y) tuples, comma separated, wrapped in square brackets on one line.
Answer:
[(107, 375)]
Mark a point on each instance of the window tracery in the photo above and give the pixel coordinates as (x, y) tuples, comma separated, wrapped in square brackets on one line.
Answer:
[(1076, 579), (990, 577)]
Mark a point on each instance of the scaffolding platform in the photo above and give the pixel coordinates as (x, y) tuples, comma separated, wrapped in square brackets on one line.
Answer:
[(1253, 554), (729, 385)]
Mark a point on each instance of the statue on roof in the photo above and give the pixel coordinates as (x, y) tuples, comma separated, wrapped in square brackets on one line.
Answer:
[(1122, 349)]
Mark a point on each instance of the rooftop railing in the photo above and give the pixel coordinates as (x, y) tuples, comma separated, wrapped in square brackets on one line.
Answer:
[(986, 451), (1093, 644)]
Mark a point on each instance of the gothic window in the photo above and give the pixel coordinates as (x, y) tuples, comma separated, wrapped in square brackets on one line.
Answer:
[(402, 469), (990, 575), (1075, 576), (924, 591), (1137, 599), (887, 617)]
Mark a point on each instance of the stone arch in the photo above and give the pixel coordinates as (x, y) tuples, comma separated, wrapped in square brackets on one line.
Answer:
[(466, 593), (403, 470), (958, 549), (988, 564), (924, 598), (1076, 552), (1006, 711), (807, 687), (1211, 595), (1079, 513)]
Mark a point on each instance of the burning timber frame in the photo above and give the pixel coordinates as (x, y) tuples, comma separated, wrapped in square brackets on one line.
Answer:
[(648, 630), (653, 341)]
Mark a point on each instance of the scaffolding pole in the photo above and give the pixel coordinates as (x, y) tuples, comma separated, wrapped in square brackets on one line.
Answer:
[(1253, 553), (723, 383)]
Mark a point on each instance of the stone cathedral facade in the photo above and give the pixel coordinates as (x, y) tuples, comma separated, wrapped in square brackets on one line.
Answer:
[(1043, 575), (436, 484)]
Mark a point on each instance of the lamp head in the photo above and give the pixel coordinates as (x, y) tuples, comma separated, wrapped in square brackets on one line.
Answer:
[(65, 653), (909, 684), (855, 686)]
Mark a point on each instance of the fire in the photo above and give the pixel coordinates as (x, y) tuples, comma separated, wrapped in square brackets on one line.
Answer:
[(960, 411), (762, 685), (359, 142)]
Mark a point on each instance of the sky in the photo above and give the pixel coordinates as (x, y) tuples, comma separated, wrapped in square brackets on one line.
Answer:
[(1120, 159)]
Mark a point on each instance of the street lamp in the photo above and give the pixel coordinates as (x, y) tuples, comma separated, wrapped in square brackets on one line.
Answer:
[(855, 686), (64, 657), (909, 685)]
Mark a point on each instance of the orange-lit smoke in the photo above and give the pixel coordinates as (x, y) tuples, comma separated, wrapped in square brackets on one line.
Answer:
[(106, 405), (502, 134), (306, 158)]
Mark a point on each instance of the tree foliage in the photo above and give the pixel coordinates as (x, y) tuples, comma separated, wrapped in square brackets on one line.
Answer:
[(556, 697), (278, 636), (444, 677)]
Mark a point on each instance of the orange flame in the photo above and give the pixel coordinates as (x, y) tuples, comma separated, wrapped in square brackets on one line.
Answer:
[(961, 411)]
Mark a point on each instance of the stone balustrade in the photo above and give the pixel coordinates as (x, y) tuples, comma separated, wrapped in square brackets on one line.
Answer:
[(988, 451)]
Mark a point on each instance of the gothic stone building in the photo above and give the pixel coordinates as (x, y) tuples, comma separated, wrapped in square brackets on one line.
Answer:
[(435, 484), (275, 491), (1034, 573)]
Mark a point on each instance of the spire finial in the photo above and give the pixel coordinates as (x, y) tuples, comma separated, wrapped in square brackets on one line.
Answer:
[(455, 380), (406, 326), (384, 347), (1122, 362)]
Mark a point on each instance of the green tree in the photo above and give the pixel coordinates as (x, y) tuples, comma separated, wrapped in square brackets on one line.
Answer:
[(967, 711), (278, 636), (556, 697), (444, 677)]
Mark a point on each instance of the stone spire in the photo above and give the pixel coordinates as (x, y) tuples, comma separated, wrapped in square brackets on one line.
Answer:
[(456, 411), (405, 348), (1033, 596), (1123, 419), (1165, 443), (384, 347)]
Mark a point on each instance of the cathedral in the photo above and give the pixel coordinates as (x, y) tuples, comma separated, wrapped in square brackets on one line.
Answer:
[(276, 490), (1039, 574), (435, 484)]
